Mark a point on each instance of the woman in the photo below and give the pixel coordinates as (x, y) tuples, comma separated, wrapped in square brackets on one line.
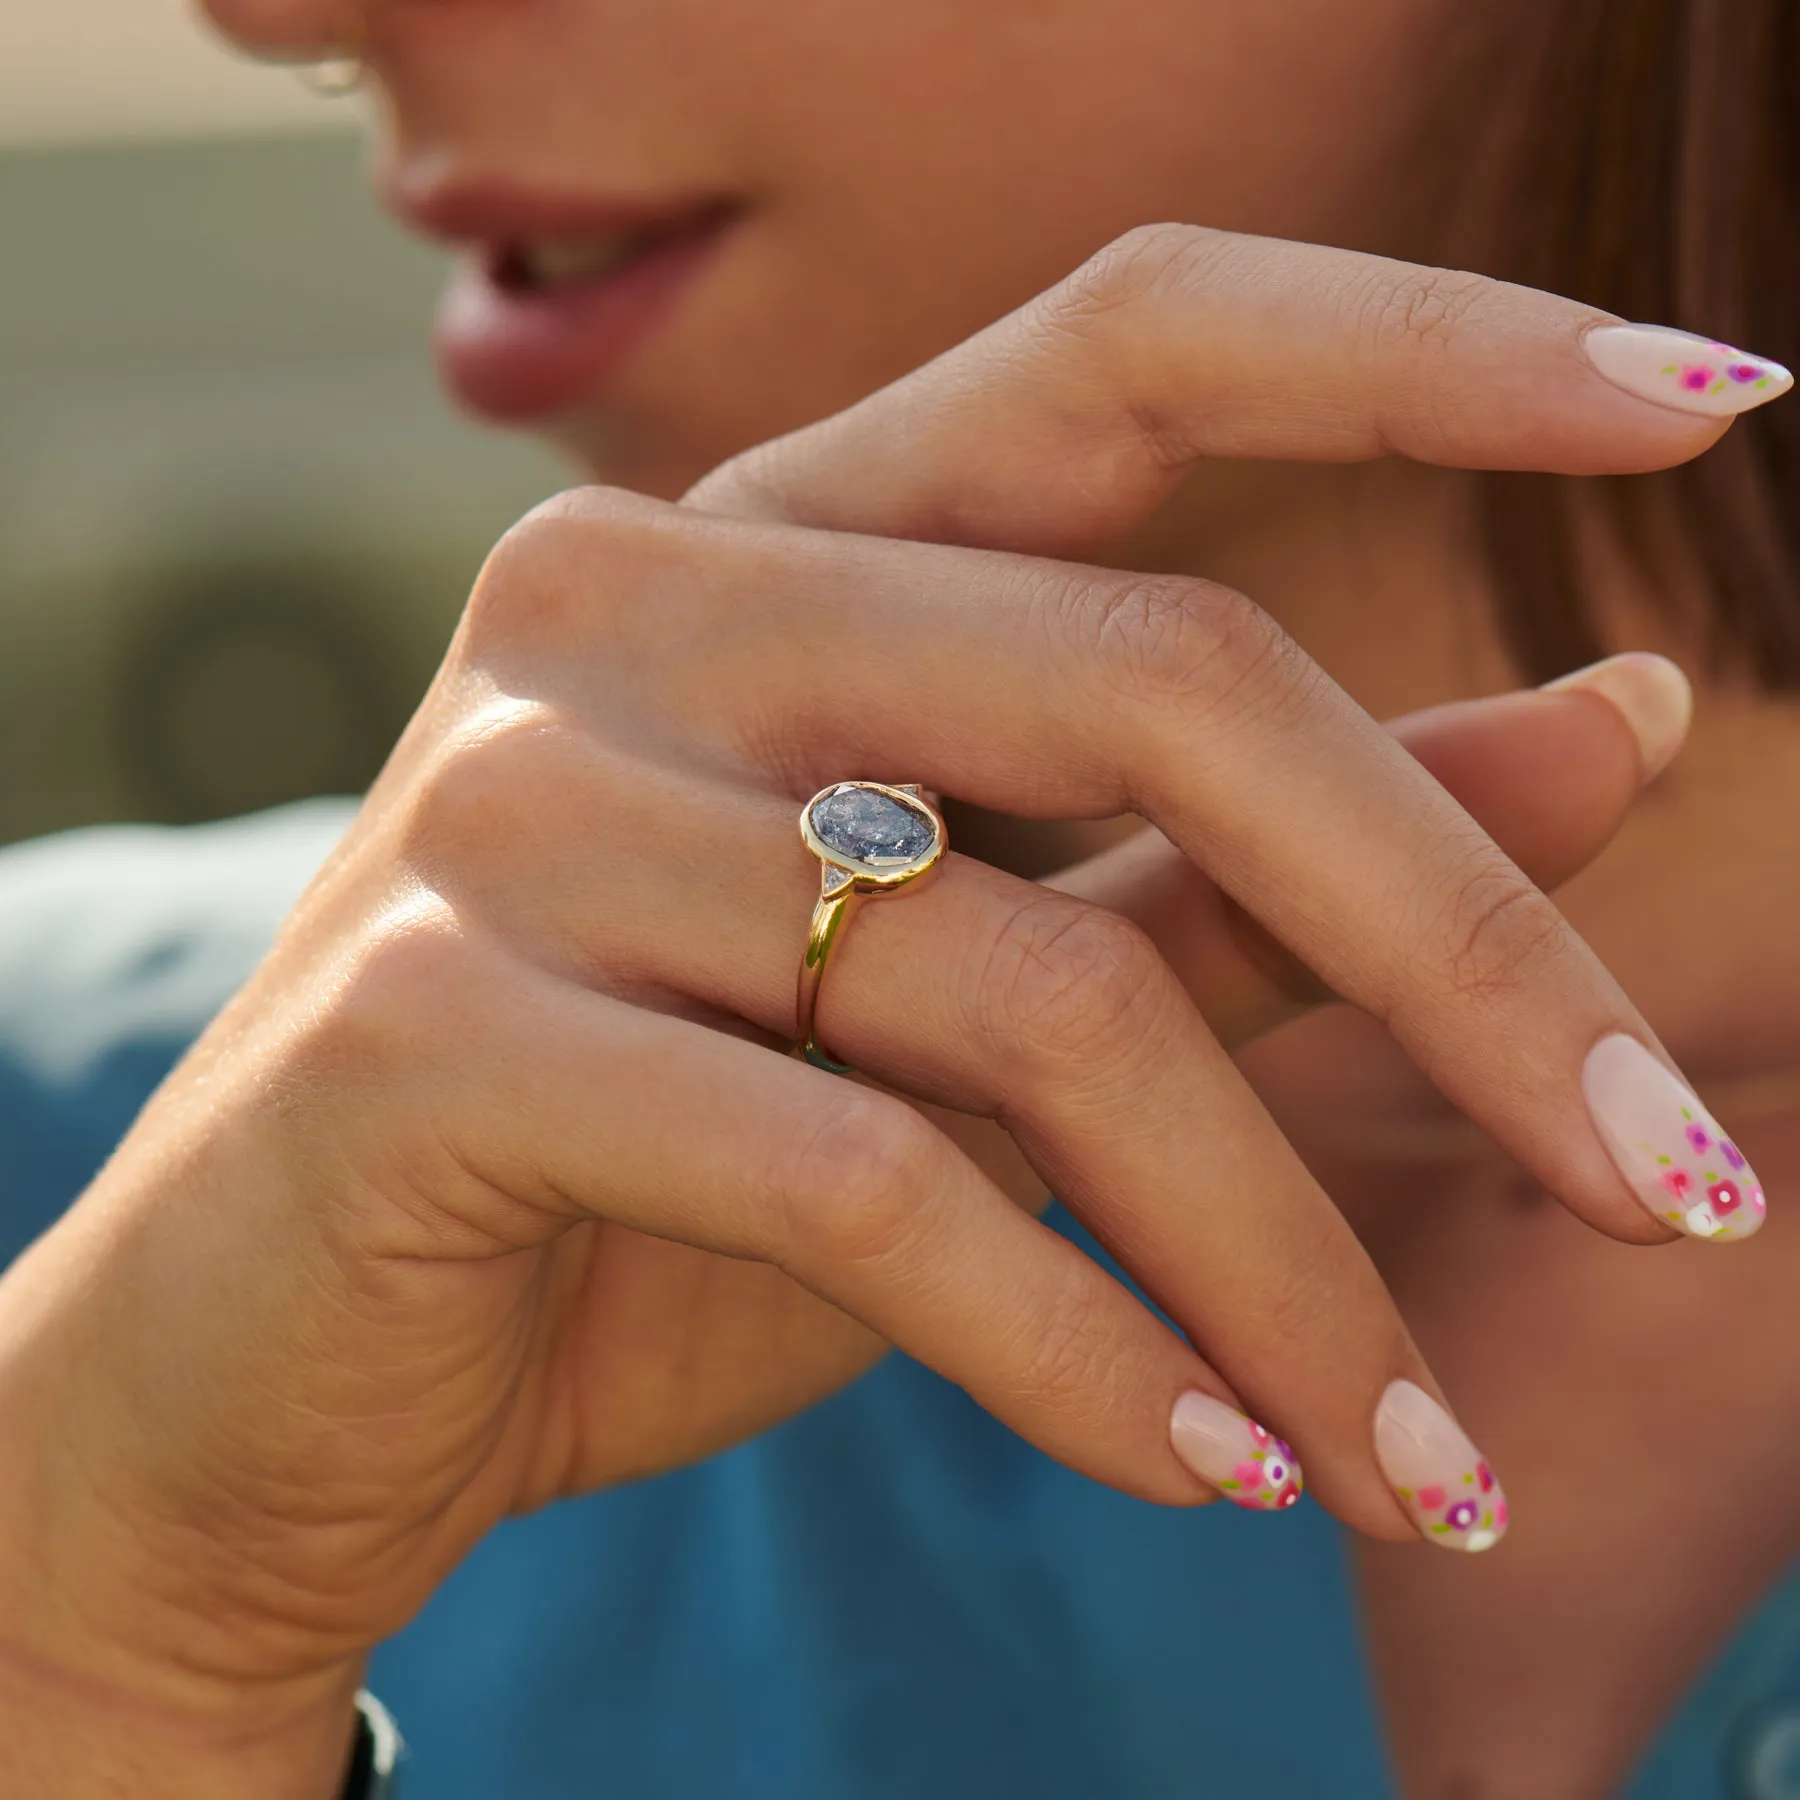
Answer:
[(488, 1188)]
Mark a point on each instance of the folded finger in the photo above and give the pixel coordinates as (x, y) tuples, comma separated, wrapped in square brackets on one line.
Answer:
[(591, 1107), (1066, 423)]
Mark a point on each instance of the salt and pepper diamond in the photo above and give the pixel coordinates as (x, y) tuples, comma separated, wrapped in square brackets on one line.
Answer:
[(871, 827)]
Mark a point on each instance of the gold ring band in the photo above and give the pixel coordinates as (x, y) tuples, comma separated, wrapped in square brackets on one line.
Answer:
[(869, 838)]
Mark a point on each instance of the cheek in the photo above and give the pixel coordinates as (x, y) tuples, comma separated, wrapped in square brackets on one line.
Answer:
[(1010, 125), (920, 170), (933, 165)]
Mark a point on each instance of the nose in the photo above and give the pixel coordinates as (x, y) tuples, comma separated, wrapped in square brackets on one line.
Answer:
[(289, 28)]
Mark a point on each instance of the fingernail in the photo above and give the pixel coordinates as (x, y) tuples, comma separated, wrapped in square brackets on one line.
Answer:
[(1449, 1493), (1650, 691), (1667, 1145), (1691, 374), (1244, 1462)]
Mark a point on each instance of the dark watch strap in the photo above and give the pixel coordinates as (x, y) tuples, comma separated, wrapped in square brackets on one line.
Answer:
[(376, 1758)]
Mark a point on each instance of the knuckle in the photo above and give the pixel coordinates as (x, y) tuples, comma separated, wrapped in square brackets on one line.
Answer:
[(1065, 982), (1169, 640), (1075, 1358), (1496, 932), (464, 806), (1413, 307), (569, 560), (851, 1180), (753, 484), (1095, 321), (1127, 271), (386, 1010)]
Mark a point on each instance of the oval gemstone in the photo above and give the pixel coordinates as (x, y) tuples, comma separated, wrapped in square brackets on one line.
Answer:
[(871, 827)]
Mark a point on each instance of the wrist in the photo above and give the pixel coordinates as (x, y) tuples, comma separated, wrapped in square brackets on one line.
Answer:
[(119, 1674), (80, 1736)]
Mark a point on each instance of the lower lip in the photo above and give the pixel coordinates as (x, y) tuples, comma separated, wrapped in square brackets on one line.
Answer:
[(522, 356)]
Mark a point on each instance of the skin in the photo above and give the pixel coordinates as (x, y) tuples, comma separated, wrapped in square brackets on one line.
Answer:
[(852, 266)]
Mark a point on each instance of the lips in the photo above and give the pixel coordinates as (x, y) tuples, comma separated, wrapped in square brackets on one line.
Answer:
[(554, 292)]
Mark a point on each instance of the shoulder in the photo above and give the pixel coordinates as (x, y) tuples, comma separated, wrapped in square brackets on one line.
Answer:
[(117, 945)]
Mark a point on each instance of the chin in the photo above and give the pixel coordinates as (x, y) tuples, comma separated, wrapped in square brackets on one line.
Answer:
[(664, 463)]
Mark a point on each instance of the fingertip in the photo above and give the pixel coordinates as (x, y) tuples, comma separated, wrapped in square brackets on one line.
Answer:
[(1242, 1461), (1651, 693), (1445, 1484), (1684, 373)]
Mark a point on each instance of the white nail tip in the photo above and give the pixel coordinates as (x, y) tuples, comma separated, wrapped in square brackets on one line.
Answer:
[(1690, 374)]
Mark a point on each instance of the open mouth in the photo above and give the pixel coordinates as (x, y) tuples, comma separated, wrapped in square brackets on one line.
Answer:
[(549, 304), (553, 265)]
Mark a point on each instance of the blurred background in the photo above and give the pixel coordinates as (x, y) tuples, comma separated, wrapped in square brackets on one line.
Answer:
[(237, 520)]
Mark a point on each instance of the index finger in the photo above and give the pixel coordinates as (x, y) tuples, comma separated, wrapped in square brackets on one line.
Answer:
[(1068, 421)]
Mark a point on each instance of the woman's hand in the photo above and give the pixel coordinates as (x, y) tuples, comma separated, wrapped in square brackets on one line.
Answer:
[(491, 1187)]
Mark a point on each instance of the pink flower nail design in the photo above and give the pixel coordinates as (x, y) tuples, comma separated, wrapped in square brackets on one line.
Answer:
[(1666, 1144), (1445, 1484), (1675, 368), (1733, 365), (1248, 1464)]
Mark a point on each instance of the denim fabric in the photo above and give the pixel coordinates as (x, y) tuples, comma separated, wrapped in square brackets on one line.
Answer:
[(888, 1598)]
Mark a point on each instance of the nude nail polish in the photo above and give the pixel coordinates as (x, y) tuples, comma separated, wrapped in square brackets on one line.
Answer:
[(1668, 1146), (1248, 1465), (1449, 1492), (1652, 694), (1676, 369)]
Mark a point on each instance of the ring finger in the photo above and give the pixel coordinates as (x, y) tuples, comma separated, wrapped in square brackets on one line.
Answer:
[(1058, 1019)]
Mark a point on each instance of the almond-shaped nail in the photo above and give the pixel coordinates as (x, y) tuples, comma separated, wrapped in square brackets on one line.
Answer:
[(1652, 694), (1251, 1467), (1449, 1492), (1691, 374), (1668, 1146)]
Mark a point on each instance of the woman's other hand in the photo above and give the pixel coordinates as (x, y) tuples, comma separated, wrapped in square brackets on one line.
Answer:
[(490, 1188)]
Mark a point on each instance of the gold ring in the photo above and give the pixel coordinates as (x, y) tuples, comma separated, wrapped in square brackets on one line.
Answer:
[(870, 839)]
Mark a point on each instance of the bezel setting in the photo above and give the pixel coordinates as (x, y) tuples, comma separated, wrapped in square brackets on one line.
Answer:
[(873, 875)]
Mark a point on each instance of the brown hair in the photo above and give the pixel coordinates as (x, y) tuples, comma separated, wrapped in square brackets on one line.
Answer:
[(1661, 181)]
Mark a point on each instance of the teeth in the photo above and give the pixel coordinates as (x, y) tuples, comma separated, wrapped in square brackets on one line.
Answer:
[(562, 263)]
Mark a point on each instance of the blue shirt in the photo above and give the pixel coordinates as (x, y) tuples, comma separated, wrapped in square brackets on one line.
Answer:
[(888, 1598)]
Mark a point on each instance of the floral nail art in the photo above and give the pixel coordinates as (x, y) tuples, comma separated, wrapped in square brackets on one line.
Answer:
[(1248, 1464), (1711, 1191), (1668, 1146), (1674, 368), (1468, 1514), (1442, 1480), (1721, 368), (1268, 1479)]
